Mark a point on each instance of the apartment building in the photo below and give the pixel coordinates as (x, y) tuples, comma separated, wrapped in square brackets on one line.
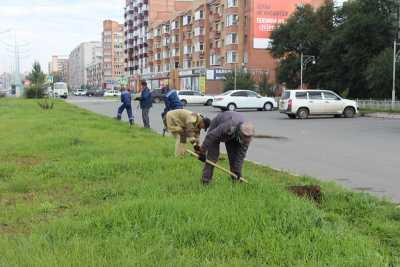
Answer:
[(113, 53), (84, 55), (95, 77), (194, 49), (138, 16), (59, 65)]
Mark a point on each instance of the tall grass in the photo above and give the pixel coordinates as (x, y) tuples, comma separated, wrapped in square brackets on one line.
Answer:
[(78, 189)]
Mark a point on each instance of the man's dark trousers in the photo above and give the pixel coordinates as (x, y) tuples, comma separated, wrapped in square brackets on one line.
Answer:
[(145, 117), (128, 110)]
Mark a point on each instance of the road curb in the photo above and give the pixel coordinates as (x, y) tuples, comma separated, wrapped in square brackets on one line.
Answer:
[(382, 115)]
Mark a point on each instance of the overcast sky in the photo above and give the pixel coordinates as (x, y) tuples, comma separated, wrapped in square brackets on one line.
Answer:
[(52, 27)]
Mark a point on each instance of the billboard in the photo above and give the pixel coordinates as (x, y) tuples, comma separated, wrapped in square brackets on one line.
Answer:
[(267, 15)]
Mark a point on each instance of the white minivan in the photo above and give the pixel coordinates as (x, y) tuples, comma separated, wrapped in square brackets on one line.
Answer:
[(303, 103), (60, 90)]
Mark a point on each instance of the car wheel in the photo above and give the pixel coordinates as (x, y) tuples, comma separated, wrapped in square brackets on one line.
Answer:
[(231, 107), (303, 113), (184, 102), (291, 116), (349, 112), (268, 106), (157, 100), (209, 102)]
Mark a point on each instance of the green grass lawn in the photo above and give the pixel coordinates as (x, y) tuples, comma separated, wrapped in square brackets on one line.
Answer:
[(79, 189)]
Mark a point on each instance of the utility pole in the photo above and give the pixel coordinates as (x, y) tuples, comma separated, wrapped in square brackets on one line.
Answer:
[(235, 78), (396, 57)]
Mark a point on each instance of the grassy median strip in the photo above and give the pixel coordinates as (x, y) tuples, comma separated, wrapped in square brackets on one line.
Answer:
[(79, 189)]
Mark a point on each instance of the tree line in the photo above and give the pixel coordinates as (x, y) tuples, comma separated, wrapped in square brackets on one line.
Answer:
[(353, 46)]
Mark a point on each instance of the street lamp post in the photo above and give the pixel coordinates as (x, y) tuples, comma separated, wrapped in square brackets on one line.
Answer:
[(305, 59), (235, 79), (396, 58)]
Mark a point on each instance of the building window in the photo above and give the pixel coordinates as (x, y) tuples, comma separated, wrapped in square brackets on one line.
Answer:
[(231, 20), (174, 25), (199, 15), (198, 31), (199, 47), (186, 20), (231, 57), (215, 60), (232, 3), (231, 38), (187, 50)]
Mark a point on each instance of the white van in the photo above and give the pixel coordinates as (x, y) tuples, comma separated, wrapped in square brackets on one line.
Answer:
[(303, 103), (60, 90)]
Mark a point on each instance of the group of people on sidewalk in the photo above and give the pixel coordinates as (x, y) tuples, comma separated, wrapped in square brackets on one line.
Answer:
[(229, 127)]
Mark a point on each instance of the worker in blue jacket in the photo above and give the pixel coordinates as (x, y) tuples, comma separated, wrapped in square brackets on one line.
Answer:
[(126, 104), (171, 101), (146, 102)]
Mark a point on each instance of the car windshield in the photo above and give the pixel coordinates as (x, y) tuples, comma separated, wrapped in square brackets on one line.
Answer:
[(228, 92)]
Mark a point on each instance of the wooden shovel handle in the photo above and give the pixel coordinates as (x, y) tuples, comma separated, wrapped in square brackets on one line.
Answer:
[(218, 167)]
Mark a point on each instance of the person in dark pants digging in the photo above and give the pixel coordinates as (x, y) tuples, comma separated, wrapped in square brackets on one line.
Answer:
[(146, 102), (126, 104), (232, 129)]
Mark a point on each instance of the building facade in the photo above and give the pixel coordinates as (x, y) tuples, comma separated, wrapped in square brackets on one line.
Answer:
[(138, 15), (95, 75), (83, 56), (113, 53), (59, 65), (195, 48)]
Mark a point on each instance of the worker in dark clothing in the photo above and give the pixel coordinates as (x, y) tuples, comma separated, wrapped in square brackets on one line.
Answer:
[(172, 102), (126, 104), (232, 129), (146, 102)]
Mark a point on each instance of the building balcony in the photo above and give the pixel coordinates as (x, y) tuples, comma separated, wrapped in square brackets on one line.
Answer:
[(217, 16)]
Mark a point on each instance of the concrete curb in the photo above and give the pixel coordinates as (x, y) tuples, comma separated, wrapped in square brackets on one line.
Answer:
[(382, 115)]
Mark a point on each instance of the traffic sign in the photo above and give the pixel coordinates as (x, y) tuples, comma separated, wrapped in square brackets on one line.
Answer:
[(50, 78)]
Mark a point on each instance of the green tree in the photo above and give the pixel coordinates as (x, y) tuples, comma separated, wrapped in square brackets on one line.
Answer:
[(244, 80), (379, 75), (37, 79), (264, 87), (345, 41), (366, 29), (304, 32)]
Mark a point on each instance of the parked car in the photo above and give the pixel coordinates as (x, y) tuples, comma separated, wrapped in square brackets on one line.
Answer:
[(194, 97), (303, 103), (157, 95), (80, 92), (112, 93), (95, 92), (243, 99)]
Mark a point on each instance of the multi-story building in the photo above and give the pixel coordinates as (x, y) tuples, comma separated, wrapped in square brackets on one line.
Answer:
[(59, 65), (194, 49), (80, 59), (113, 52), (95, 77), (138, 15)]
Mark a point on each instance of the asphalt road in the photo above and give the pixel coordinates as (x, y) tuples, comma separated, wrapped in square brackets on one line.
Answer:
[(362, 154)]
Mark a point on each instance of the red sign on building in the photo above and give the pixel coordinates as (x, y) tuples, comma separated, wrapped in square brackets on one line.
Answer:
[(267, 16)]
